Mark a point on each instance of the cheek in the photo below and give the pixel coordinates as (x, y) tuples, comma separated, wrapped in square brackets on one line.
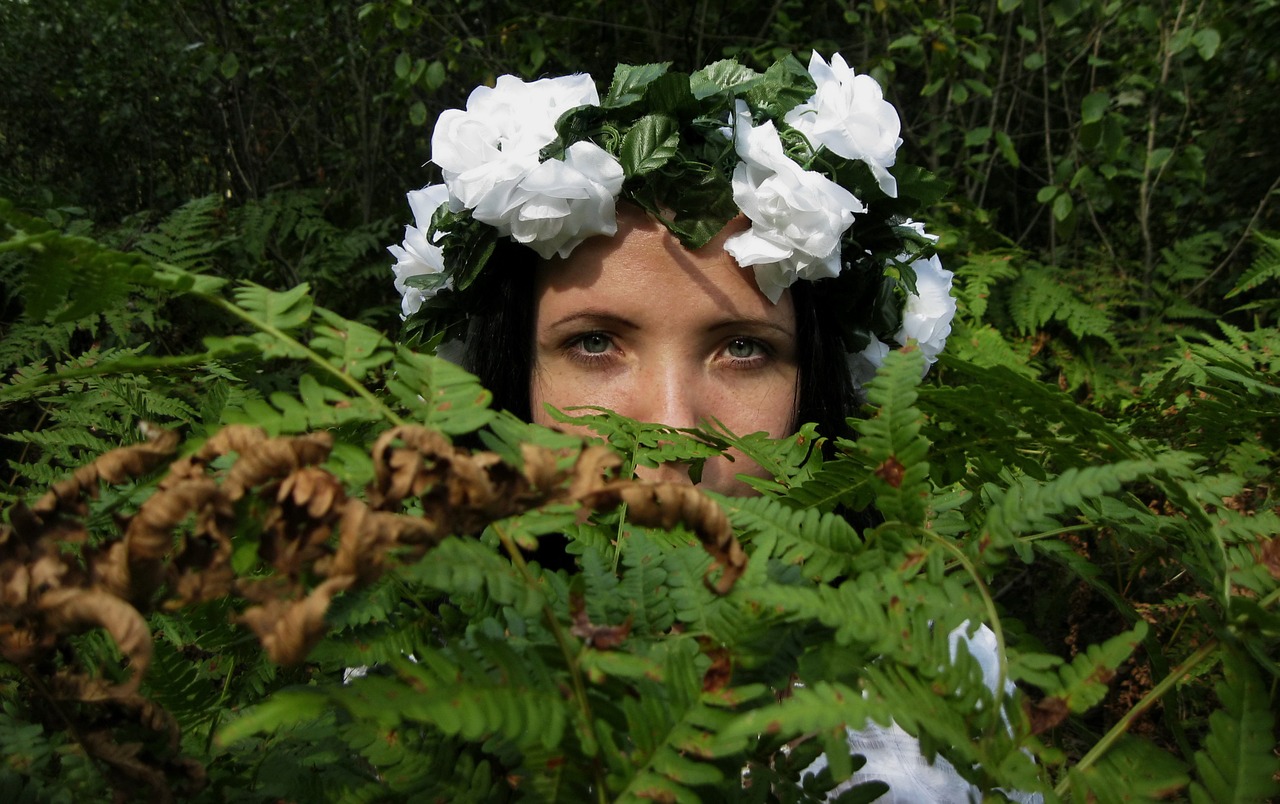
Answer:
[(767, 404), (562, 388)]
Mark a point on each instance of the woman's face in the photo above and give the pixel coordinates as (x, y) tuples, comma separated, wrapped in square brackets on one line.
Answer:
[(640, 325)]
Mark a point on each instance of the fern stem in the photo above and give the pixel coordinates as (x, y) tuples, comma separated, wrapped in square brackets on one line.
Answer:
[(571, 660), (1148, 700), (346, 379), (988, 602)]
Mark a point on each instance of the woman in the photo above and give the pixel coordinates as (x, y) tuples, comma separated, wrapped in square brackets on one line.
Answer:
[(727, 246), (765, 277)]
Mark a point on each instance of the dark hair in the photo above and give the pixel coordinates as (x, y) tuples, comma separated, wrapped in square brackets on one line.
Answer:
[(500, 348)]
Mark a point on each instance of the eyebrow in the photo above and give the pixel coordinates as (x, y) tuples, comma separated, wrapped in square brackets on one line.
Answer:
[(752, 322), (593, 317)]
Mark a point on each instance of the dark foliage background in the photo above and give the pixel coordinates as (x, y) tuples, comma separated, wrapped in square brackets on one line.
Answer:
[(1113, 224)]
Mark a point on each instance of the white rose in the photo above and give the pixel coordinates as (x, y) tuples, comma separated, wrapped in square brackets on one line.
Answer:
[(797, 216), (563, 202), (489, 155), (863, 365), (926, 319), (849, 116), (487, 149), (418, 255)]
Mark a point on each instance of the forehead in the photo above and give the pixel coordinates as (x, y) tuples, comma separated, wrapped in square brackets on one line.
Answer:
[(645, 266)]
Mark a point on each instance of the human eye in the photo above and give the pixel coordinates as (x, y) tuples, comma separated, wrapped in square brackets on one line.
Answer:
[(744, 352), (590, 347)]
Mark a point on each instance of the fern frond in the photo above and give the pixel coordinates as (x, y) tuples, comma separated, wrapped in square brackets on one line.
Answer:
[(1138, 767), (1082, 684), (466, 568), (354, 348), (188, 237), (1038, 297), (643, 588), (891, 439), (1237, 761), (1030, 504), (1265, 268), (845, 480), (823, 546), (281, 310), (436, 393)]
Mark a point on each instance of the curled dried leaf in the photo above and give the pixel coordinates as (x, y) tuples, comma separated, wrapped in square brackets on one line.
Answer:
[(115, 466), (74, 610), (407, 470), (664, 505), (593, 470), (289, 629), (273, 459), (296, 530), (366, 537)]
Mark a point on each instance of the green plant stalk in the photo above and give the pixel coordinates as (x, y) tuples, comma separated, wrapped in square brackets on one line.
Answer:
[(993, 618), (326, 366), (575, 672), (1148, 700)]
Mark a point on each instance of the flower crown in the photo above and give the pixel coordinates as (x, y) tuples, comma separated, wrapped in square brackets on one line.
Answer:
[(805, 155)]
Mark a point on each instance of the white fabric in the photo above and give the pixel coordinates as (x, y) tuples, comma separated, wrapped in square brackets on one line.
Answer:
[(894, 757)]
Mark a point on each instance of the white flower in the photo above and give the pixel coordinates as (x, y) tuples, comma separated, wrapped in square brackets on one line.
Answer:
[(489, 155), (797, 216), (849, 116), (926, 319), (863, 365), (561, 203), (418, 255)]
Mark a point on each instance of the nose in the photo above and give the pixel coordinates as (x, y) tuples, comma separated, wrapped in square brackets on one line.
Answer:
[(669, 394)]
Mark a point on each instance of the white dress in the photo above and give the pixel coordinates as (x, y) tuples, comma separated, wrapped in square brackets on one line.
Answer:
[(894, 757)]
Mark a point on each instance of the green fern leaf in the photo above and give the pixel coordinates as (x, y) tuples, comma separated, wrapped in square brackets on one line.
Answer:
[(284, 311), (1237, 762), (188, 237), (354, 348), (891, 439), (1266, 266), (464, 568), (438, 394), (824, 546), (824, 706), (845, 480), (1133, 770), (1082, 684), (1030, 504)]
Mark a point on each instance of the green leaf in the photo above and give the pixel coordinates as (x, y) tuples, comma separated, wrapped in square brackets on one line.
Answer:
[(403, 64), (229, 66), (1237, 762), (650, 144), (285, 310), (435, 75), (891, 440), (977, 136), (1082, 684), (1207, 41), (1063, 206), (1005, 144), (354, 348), (1265, 268), (630, 83), (722, 76), (1094, 106), (283, 709)]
